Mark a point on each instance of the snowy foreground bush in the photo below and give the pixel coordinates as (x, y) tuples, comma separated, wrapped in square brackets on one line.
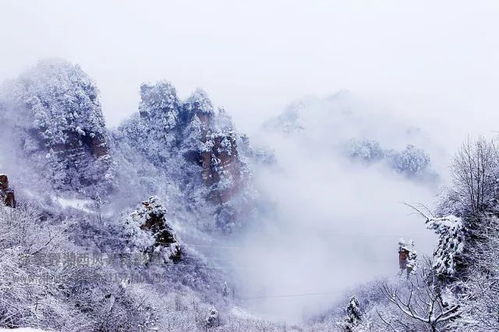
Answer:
[(51, 284)]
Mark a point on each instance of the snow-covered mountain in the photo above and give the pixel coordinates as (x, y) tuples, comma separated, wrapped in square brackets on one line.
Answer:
[(190, 145), (187, 151), (173, 174), (52, 117)]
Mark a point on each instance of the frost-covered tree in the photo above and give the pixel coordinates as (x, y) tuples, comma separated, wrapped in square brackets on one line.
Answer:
[(418, 304), (411, 161), (480, 295), (465, 260), (365, 150), (353, 315), (448, 255), (475, 172), (473, 198), (44, 286)]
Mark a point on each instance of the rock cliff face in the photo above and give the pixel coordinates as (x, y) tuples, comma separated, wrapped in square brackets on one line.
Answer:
[(215, 148), (55, 118), (192, 144), (221, 167), (7, 196)]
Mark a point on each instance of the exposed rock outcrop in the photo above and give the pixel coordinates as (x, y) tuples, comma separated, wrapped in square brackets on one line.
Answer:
[(407, 257), (7, 195), (55, 118), (221, 167), (216, 149), (192, 143), (150, 233)]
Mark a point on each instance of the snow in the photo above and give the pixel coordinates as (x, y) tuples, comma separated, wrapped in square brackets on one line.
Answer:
[(451, 243), (241, 313), (58, 120), (144, 240), (75, 203), (164, 150)]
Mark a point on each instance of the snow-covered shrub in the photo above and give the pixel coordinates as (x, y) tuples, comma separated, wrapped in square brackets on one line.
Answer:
[(148, 232), (43, 285)]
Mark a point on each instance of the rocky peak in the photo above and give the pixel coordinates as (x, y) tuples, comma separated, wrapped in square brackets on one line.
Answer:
[(57, 119), (221, 166), (159, 104), (216, 147), (212, 144), (189, 142), (199, 105)]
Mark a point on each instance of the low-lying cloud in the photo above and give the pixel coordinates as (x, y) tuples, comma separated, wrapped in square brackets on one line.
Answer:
[(334, 223)]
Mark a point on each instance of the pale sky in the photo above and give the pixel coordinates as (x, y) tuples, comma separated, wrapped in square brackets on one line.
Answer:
[(254, 57)]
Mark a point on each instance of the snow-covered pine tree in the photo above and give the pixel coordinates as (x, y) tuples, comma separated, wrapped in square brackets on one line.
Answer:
[(149, 234), (353, 315), (448, 255)]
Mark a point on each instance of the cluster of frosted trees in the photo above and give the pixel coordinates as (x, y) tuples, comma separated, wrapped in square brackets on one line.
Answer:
[(411, 161)]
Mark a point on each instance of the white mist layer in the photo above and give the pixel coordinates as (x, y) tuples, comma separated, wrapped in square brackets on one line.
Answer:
[(333, 224)]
